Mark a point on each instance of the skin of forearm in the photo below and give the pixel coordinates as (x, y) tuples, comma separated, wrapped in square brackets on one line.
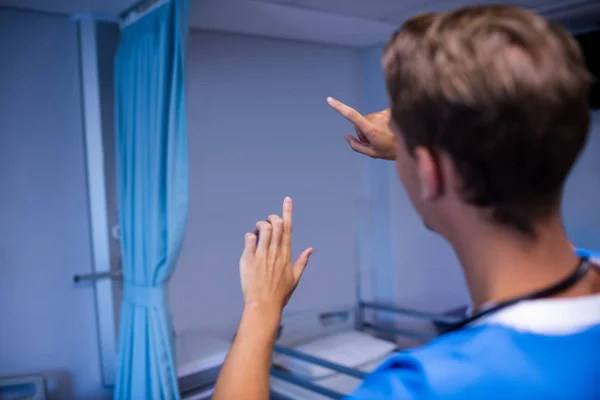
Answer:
[(245, 373)]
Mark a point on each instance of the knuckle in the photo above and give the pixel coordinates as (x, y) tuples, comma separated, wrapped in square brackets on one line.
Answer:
[(374, 117), (263, 226), (276, 222), (273, 218)]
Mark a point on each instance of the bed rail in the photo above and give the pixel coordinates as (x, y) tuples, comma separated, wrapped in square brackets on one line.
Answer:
[(390, 330), (437, 318), (31, 387), (440, 321)]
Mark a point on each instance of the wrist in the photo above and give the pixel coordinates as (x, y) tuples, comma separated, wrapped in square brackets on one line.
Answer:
[(266, 316), (267, 311)]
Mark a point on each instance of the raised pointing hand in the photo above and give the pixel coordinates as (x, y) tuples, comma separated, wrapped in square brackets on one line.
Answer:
[(375, 138)]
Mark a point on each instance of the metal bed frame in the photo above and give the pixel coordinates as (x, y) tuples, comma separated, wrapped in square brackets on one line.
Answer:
[(440, 322)]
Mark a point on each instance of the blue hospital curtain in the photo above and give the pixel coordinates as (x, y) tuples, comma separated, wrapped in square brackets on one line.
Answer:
[(152, 188)]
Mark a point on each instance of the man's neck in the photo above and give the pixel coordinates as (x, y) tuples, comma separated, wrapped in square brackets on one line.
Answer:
[(500, 264)]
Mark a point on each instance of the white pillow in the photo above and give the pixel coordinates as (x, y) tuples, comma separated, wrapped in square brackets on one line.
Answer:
[(351, 349)]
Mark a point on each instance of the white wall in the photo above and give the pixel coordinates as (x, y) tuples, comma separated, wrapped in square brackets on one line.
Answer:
[(46, 323), (582, 194), (376, 246), (260, 129)]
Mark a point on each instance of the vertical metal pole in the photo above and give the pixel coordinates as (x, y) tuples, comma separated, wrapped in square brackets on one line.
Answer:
[(359, 318), (99, 230)]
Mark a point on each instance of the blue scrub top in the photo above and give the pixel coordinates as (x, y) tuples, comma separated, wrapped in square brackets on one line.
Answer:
[(588, 253), (494, 361)]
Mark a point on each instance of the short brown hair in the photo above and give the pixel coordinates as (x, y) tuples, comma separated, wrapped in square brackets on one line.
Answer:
[(411, 34), (504, 93)]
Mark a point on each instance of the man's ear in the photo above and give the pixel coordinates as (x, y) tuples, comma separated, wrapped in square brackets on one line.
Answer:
[(429, 174)]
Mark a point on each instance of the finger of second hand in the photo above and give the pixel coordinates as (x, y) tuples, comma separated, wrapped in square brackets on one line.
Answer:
[(263, 230), (250, 242), (286, 240), (277, 228)]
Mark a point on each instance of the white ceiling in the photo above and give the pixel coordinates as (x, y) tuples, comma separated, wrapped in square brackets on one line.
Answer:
[(345, 22)]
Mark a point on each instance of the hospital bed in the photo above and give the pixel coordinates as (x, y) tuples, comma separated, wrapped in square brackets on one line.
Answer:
[(333, 365), (320, 354)]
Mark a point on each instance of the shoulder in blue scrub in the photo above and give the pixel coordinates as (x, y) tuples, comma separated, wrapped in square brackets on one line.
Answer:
[(540, 349)]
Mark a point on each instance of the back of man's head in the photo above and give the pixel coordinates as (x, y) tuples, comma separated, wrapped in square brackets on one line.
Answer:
[(501, 91)]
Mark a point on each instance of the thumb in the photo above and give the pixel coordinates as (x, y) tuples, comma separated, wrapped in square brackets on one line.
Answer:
[(361, 135), (301, 263), (359, 146)]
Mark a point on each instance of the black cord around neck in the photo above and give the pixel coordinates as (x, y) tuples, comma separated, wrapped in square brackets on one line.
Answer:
[(582, 268)]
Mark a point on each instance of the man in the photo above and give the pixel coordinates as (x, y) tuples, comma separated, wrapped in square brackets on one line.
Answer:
[(488, 114)]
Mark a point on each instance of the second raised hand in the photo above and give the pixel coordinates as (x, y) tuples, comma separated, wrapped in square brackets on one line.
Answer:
[(267, 273)]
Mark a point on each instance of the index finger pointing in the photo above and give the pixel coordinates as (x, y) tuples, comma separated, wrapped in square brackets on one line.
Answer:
[(286, 214), (350, 114)]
